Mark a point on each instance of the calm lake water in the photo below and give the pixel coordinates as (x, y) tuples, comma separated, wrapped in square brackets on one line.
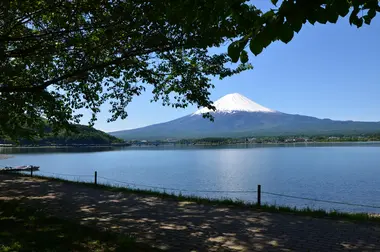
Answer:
[(342, 172)]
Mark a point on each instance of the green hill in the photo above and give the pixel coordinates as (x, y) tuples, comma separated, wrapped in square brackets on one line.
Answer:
[(83, 135)]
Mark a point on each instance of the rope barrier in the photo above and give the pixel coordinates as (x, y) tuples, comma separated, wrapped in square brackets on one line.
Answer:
[(319, 200), (62, 174), (176, 189)]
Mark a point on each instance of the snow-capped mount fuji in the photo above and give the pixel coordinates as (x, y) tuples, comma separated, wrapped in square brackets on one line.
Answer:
[(233, 103), (238, 116)]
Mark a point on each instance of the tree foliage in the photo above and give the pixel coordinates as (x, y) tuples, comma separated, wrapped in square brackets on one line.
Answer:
[(60, 56), (287, 17)]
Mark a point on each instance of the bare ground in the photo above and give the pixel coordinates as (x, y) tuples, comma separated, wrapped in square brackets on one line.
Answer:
[(186, 226)]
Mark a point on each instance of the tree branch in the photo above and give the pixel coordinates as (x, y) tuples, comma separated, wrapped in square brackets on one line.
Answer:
[(57, 32), (39, 88)]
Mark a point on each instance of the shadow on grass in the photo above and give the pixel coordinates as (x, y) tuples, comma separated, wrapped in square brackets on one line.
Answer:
[(25, 229)]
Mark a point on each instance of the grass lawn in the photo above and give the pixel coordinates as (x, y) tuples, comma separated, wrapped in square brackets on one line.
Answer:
[(23, 229)]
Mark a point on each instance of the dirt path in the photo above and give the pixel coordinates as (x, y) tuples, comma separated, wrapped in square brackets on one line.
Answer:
[(181, 226)]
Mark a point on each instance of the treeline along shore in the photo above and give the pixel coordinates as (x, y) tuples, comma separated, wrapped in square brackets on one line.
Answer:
[(339, 138), (80, 136)]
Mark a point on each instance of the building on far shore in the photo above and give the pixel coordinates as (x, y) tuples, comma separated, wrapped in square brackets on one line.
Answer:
[(334, 138)]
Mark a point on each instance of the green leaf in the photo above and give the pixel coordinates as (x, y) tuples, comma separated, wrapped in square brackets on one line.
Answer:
[(295, 18), (332, 16), (371, 13), (367, 20), (312, 18), (288, 8), (234, 51), (321, 16), (274, 2), (342, 7), (236, 48), (296, 26), (354, 16), (256, 46), (286, 33), (355, 20), (268, 15), (265, 37), (359, 22), (244, 57)]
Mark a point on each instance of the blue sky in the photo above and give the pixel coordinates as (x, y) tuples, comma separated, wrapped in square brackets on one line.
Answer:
[(326, 71)]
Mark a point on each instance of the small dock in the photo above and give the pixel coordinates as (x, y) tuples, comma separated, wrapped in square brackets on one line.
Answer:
[(20, 168)]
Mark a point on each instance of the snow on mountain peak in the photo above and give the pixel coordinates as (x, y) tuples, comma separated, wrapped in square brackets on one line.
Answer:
[(234, 102)]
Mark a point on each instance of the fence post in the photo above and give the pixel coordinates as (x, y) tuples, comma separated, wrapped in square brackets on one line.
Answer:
[(96, 177), (258, 195), (31, 171)]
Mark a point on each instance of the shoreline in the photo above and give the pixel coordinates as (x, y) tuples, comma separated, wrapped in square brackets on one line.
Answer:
[(62, 146), (296, 143), (184, 145), (257, 144)]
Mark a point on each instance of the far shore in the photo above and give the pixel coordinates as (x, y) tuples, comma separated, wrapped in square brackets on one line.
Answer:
[(61, 146), (257, 144), (133, 145)]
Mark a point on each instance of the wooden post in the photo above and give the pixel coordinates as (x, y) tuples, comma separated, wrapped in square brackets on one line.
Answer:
[(258, 195), (96, 177)]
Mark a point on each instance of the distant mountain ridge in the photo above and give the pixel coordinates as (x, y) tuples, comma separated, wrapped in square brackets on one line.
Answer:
[(238, 116)]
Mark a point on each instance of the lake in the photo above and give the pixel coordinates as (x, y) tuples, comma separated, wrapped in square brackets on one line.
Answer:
[(333, 172)]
